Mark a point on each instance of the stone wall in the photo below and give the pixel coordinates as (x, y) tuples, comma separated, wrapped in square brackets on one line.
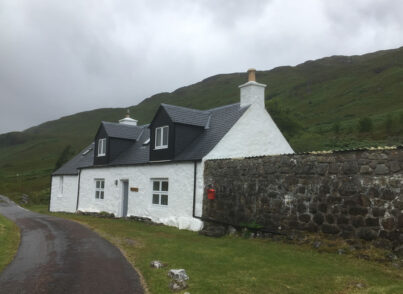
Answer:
[(349, 194)]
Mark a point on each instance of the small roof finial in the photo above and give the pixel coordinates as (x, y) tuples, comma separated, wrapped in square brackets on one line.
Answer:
[(251, 75), (128, 113)]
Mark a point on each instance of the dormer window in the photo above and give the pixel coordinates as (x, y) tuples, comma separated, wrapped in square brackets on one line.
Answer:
[(102, 147), (161, 137)]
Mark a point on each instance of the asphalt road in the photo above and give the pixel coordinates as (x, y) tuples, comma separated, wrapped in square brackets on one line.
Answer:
[(62, 256)]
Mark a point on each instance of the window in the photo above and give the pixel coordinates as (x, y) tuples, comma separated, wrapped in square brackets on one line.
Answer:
[(99, 188), (102, 147), (160, 192), (61, 186), (161, 137)]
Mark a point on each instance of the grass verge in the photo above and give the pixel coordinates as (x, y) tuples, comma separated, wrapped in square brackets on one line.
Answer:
[(9, 241), (237, 265)]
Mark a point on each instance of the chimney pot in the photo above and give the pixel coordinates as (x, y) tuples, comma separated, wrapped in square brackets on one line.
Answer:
[(251, 75)]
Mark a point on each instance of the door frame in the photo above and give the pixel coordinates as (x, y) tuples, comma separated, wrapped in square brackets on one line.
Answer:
[(122, 193)]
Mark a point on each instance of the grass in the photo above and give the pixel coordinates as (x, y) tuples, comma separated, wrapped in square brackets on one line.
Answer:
[(237, 265), (9, 241)]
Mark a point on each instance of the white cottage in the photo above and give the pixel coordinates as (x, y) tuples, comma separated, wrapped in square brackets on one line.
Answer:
[(156, 170)]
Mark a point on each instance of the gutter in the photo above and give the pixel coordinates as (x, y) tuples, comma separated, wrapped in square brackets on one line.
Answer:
[(78, 189)]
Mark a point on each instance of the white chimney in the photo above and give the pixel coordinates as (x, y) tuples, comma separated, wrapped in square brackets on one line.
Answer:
[(252, 92), (128, 120)]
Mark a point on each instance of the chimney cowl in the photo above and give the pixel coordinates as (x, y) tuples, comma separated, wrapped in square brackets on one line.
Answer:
[(128, 120), (251, 75)]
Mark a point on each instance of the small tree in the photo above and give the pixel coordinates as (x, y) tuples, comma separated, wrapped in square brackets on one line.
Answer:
[(365, 125), (66, 154), (336, 128), (388, 123)]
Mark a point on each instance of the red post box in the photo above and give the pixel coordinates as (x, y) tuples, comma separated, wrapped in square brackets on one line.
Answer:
[(210, 194)]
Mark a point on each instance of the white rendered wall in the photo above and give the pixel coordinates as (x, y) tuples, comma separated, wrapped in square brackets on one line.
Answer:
[(254, 134), (178, 212), (63, 198)]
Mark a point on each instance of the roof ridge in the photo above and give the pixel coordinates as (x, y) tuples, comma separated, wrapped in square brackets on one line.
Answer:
[(185, 108), (124, 125), (224, 106)]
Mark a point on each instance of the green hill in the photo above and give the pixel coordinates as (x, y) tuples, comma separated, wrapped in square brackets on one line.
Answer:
[(331, 103)]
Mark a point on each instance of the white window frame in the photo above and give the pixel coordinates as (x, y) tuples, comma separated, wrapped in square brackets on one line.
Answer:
[(160, 192), (162, 145), (99, 189), (61, 181), (102, 147)]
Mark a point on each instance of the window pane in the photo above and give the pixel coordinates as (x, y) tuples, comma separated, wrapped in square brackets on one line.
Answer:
[(97, 194), (156, 199), (156, 186), (158, 137), (164, 186), (102, 194), (164, 199), (97, 184), (165, 136), (102, 184), (104, 146)]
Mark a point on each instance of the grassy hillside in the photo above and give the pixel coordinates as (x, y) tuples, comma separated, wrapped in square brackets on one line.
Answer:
[(332, 103)]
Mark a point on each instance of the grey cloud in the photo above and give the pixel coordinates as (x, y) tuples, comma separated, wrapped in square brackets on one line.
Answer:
[(61, 57)]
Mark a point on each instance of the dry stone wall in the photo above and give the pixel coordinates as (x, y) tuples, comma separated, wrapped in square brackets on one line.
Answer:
[(355, 194)]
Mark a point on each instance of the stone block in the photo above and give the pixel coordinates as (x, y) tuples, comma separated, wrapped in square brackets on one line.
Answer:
[(387, 194), (330, 218), (381, 169), (373, 192), (321, 169), (334, 168), (334, 200), (322, 207), (388, 224), (330, 229), (343, 220), (349, 187), (367, 234), (400, 221), (365, 170), (301, 189), (394, 166), (318, 218), (358, 210), (313, 208), (378, 212), (372, 221), (305, 218), (363, 200), (301, 207), (349, 168), (357, 221)]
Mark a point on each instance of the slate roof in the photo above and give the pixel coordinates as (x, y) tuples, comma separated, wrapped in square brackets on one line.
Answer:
[(122, 131), (221, 121), (217, 122), (188, 116), (82, 159)]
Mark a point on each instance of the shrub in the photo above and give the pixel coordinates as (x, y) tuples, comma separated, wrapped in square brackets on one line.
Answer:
[(365, 125)]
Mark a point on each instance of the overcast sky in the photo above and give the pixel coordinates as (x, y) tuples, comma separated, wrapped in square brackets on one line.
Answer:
[(61, 57)]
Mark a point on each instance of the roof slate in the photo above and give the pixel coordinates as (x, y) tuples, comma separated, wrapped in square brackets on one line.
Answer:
[(78, 161), (188, 116), (122, 131), (217, 122)]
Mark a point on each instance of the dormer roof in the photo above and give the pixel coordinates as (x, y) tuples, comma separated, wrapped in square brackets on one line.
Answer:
[(187, 116), (122, 131)]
